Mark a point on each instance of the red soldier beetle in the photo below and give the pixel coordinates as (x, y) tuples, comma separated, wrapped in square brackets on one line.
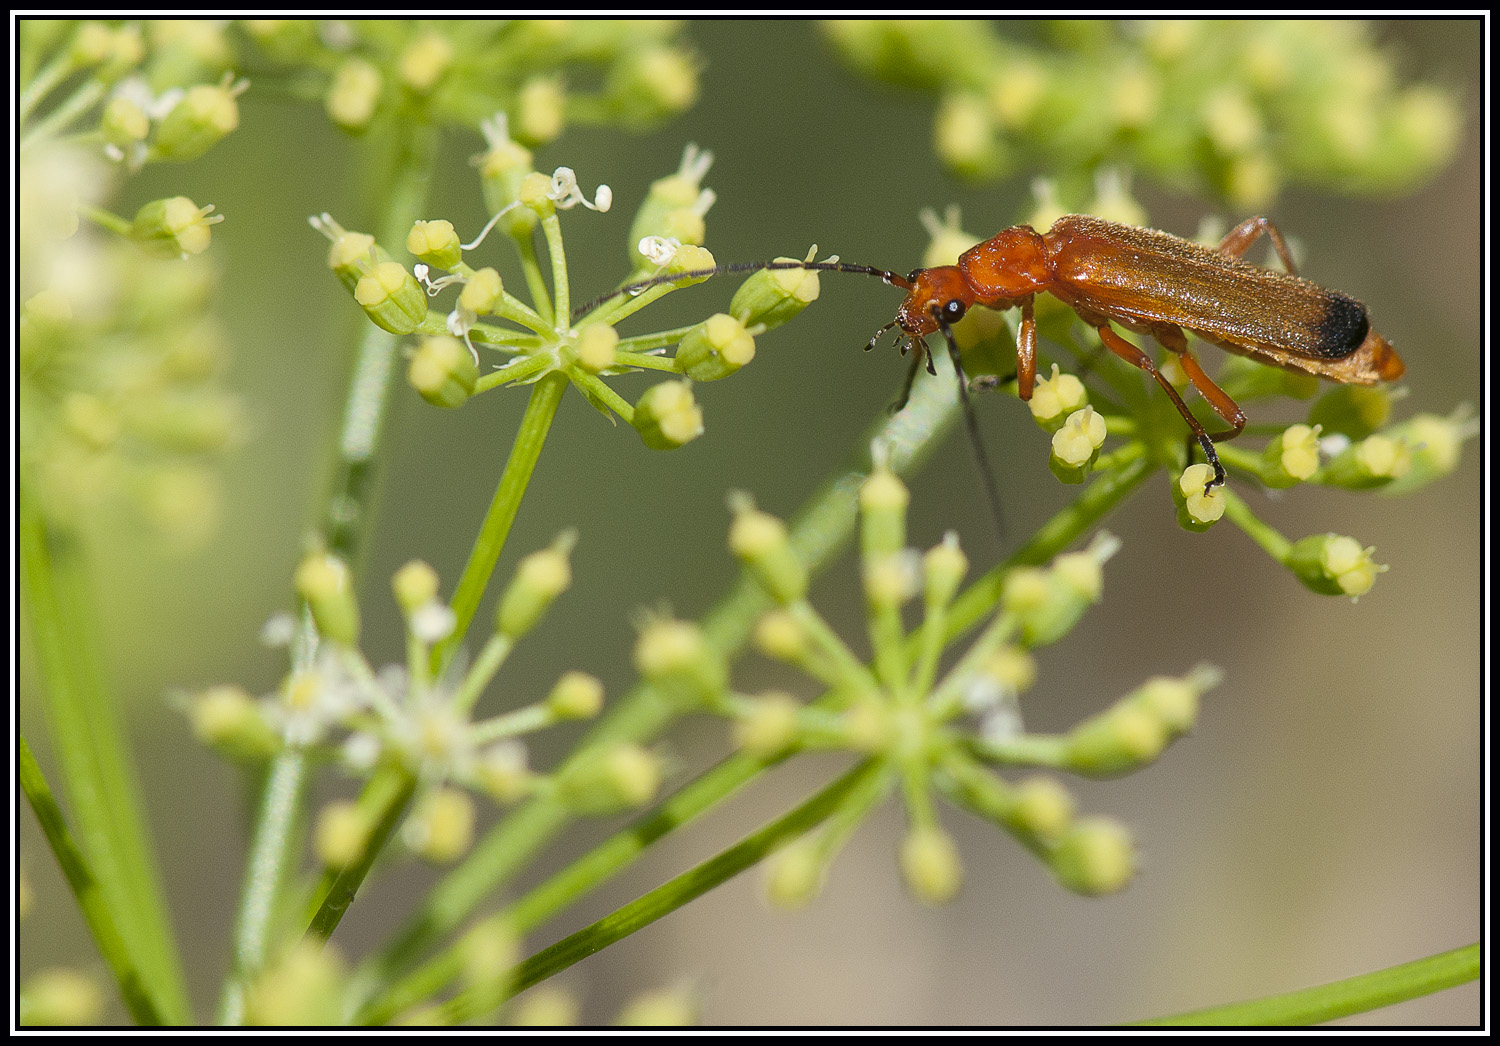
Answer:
[(1146, 281)]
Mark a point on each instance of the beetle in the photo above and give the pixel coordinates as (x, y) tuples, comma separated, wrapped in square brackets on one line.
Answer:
[(1146, 281)]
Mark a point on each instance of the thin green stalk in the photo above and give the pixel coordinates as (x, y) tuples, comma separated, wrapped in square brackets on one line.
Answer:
[(346, 516), (134, 988), (670, 896), (1263, 534), (77, 103), (540, 409), (90, 744), (1328, 1002), (385, 800), (818, 532), (534, 281)]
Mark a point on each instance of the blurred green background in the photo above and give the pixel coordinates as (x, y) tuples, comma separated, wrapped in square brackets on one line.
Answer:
[(1323, 820)]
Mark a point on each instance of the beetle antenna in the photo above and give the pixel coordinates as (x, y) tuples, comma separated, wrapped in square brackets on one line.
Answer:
[(894, 279), (986, 473)]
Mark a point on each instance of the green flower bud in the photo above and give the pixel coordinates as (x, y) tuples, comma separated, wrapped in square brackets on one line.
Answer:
[(1011, 668), (1372, 462), (671, 202), (536, 194), (443, 370), (353, 95), (1048, 603), (352, 254), (965, 137), (1120, 739), (91, 44), (1291, 457), (483, 292), (769, 727), (442, 828), (773, 296), (779, 635), (541, 110), (889, 581), (1096, 857), (501, 771), (597, 343), (608, 780), (540, 578), (1197, 510), (930, 865), (715, 348), (1334, 565), (228, 719), (392, 298), (652, 82), (943, 570), (340, 835), (577, 695), (435, 243), (1075, 445), (416, 585), (60, 997), (1354, 410), (759, 540), (304, 987), (1054, 400), (669, 1008), (882, 504), (794, 874), (123, 122), (867, 726), (424, 62), (324, 581), (1016, 92), (190, 422), (174, 227), (667, 416), (502, 169), (204, 115), (1434, 443), (1043, 809), (676, 657), (1231, 121)]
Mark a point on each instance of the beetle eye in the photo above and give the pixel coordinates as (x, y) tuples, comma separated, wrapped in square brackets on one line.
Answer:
[(953, 311)]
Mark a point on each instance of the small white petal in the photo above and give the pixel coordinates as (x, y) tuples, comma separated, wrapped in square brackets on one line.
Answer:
[(433, 622), (278, 630)]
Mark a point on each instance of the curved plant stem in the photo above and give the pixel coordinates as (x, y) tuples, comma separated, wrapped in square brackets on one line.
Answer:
[(385, 801), (670, 896), (1327, 1002), (546, 394), (86, 890), (345, 518), (92, 751)]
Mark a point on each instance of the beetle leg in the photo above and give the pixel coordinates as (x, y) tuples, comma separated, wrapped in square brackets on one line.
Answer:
[(981, 459), (1242, 236), (911, 377), (1131, 354), (1026, 350), (1173, 340)]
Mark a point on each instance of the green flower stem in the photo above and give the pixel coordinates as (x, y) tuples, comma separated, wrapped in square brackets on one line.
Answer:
[(671, 895), (1120, 426), (1244, 460), (645, 362), (105, 219), (1049, 750), (1121, 456), (1263, 534), (552, 230), (817, 534), (1327, 1002), (384, 801), (846, 670), (535, 282), (617, 309), (1098, 499), (516, 371), (47, 77), (540, 409), (77, 103), (512, 724), (886, 635), (590, 385), (92, 750), (134, 988), (661, 339), (496, 649), (345, 520)]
